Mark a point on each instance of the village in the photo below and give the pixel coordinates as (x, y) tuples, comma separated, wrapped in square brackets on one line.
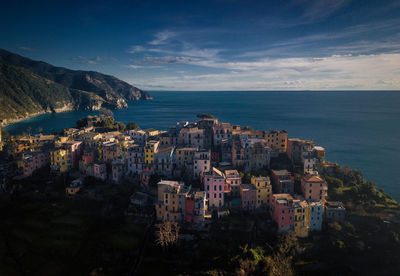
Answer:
[(191, 174)]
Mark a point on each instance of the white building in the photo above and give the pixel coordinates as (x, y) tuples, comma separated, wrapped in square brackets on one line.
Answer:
[(135, 159), (139, 136), (202, 162)]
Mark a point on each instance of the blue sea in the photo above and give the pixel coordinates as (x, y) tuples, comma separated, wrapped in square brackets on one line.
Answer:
[(360, 129)]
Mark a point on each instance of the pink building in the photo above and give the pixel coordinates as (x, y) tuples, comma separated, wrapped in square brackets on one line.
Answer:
[(314, 188), (147, 172), (86, 162), (282, 211), (214, 185), (34, 161), (110, 151), (248, 196), (100, 171), (88, 157), (74, 149), (232, 182), (189, 216)]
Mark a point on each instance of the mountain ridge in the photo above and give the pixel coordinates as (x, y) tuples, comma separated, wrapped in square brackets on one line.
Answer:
[(29, 88)]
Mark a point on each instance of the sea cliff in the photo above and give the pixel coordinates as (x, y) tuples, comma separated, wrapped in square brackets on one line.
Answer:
[(29, 88)]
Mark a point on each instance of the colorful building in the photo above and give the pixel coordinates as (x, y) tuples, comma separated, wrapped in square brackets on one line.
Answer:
[(196, 207), (314, 188), (232, 182), (214, 185), (33, 161), (86, 161), (282, 212), (277, 140), (171, 204), (301, 211), (110, 152), (264, 191), (74, 150), (59, 160), (150, 148)]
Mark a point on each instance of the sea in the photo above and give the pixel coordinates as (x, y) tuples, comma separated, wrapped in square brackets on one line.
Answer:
[(360, 129)]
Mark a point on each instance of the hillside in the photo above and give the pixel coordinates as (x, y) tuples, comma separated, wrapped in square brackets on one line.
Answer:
[(29, 88)]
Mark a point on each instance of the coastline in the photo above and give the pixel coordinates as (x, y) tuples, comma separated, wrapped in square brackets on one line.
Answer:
[(10, 122)]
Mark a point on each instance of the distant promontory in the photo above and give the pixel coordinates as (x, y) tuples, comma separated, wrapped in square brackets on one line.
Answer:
[(29, 88)]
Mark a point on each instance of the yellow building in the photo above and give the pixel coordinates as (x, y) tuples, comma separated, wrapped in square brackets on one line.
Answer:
[(61, 139), (301, 218), (152, 132), (171, 200), (264, 191), (149, 150), (59, 160)]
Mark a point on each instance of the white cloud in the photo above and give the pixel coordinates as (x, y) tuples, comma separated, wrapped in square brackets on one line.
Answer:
[(326, 73), (318, 9), (91, 60), (162, 37)]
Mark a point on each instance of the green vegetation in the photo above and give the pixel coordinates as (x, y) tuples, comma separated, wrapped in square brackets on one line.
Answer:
[(206, 116), (132, 126), (28, 87), (108, 124), (81, 122)]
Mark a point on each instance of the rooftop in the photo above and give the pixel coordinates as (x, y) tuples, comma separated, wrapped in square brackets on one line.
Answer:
[(281, 172)]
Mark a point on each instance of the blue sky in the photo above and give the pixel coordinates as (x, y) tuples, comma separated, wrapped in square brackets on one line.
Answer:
[(215, 45)]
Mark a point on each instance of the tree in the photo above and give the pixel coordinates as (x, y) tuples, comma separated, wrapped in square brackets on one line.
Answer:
[(82, 122), (132, 125), (106, 112), (167, 234), (120, 126), (280, 262), (206, 116)]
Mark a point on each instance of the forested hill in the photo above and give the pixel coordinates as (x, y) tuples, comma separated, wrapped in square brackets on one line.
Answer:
[(29, 88)]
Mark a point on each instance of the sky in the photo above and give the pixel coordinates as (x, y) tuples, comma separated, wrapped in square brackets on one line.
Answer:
[(215, 45)]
